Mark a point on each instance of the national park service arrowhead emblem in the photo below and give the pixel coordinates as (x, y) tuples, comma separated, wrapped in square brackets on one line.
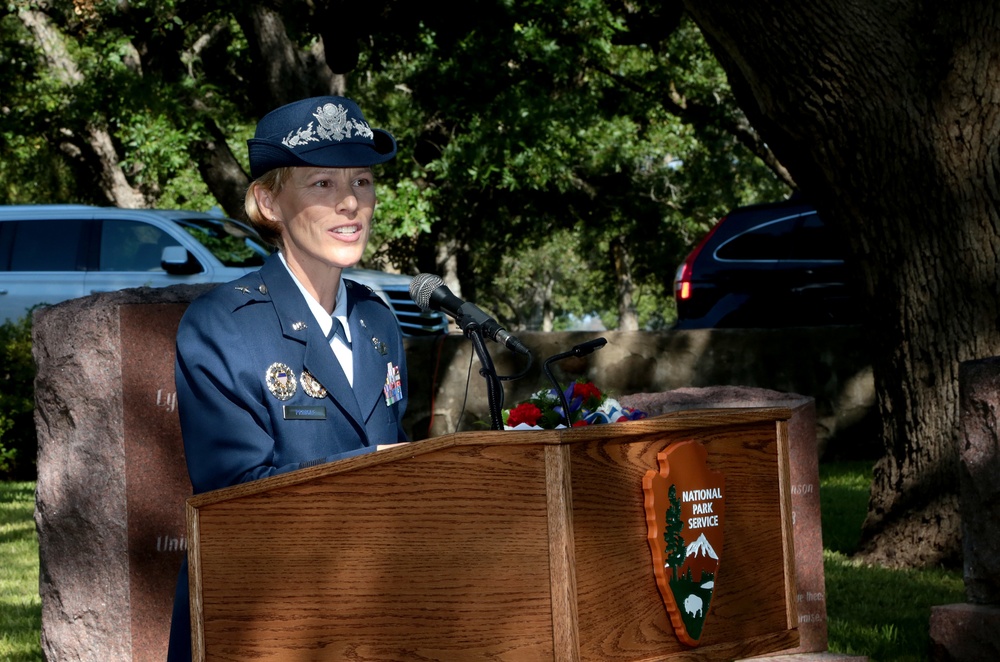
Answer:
[(685, 513)]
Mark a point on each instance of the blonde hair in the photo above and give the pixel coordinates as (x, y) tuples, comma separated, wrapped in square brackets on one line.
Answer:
[(272, 181)]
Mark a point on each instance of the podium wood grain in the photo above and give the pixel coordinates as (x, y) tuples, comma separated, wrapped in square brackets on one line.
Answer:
[(491, 546)]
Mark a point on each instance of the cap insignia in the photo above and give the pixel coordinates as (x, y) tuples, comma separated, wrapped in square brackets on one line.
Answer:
[(334, 124)]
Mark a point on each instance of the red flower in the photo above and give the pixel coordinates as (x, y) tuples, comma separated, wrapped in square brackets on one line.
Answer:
[(588, 393), (524, 413), (580, 423)]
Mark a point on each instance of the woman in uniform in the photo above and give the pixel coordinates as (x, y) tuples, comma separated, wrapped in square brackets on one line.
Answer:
[(293, 365)]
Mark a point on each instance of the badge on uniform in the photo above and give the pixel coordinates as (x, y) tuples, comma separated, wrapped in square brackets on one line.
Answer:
[(311, 386), (393, 388), (280, 381)]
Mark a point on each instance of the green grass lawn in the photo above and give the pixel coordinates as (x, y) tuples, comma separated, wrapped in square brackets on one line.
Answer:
[(883, 614), (20, 606)]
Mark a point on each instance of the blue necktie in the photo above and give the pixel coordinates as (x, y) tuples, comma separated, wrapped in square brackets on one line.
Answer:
[(337, 330)]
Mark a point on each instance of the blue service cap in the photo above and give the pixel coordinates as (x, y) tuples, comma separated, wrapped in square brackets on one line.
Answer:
[(321, 131)]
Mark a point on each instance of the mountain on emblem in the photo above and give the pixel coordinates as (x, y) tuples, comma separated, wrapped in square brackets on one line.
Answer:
[(701, 547), (685, 509)]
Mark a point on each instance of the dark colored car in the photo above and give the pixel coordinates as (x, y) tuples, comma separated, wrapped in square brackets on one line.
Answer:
[(767, 265)]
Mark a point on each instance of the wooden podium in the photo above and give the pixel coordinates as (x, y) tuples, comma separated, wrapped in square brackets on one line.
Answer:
[(493, 545)]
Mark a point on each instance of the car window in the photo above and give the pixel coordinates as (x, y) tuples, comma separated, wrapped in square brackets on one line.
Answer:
[(805, 238), (233, 244), (814, 240), (51, 245), (132, 246), (768, 241), (6, 244)]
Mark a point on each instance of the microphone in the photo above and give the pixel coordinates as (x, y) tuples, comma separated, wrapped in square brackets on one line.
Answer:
[(430, 293), (589, 347)]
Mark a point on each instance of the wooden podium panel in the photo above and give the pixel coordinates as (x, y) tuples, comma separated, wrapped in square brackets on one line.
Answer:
[(491, 545)]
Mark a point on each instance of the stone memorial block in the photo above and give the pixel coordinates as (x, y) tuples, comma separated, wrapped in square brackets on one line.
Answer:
[(971, 630), (804, 474), (112, 481), (979, 467)]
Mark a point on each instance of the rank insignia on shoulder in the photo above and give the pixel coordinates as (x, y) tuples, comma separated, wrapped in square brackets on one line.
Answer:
[(311, 386), (280, 381), (243, 288)]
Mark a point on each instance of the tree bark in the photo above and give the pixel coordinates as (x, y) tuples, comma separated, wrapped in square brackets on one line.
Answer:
[(887, 115), (277, 59), (222, 173), (628, 319), (288, 72)]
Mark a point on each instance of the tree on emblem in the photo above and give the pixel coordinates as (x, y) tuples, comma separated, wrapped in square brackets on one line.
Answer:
[(676, 549)]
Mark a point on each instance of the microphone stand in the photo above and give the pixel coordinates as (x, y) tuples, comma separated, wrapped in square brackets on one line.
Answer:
[(582, 349), (494, 389)]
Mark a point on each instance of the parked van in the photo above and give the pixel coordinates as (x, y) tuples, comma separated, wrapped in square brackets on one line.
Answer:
[(51, 253)]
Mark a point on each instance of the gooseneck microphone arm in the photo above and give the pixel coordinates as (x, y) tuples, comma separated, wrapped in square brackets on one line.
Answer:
[(582, 349), (494, 389)]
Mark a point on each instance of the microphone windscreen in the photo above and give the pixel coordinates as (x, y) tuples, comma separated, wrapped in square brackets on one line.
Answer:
[(421, 288)]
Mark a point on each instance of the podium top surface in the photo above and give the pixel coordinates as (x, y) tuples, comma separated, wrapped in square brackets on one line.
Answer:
[(678, 421)]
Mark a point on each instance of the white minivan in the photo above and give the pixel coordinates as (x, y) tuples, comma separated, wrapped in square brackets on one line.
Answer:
[(51, 253)]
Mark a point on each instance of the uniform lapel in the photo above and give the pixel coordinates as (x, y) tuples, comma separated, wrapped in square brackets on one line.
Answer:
[(323, 365), (369, 363), (299, 324)]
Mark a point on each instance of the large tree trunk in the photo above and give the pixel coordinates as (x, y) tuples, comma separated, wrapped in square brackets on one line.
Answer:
[(886, 113)]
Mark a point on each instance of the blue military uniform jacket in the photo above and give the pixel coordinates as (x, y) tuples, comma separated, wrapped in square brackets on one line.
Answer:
[(260, 392), (233, 340)]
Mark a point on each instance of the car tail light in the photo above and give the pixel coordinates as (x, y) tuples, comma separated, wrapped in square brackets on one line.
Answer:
[(682, 279)]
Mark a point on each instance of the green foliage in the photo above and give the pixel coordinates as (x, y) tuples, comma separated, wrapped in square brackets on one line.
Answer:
[(526, 130), (18, 442), (129, 70), (532, 144)]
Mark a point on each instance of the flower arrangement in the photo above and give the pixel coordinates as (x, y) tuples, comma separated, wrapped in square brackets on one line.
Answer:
[(587, 406)]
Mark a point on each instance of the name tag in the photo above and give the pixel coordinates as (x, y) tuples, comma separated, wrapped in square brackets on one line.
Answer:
[(292, 413)]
